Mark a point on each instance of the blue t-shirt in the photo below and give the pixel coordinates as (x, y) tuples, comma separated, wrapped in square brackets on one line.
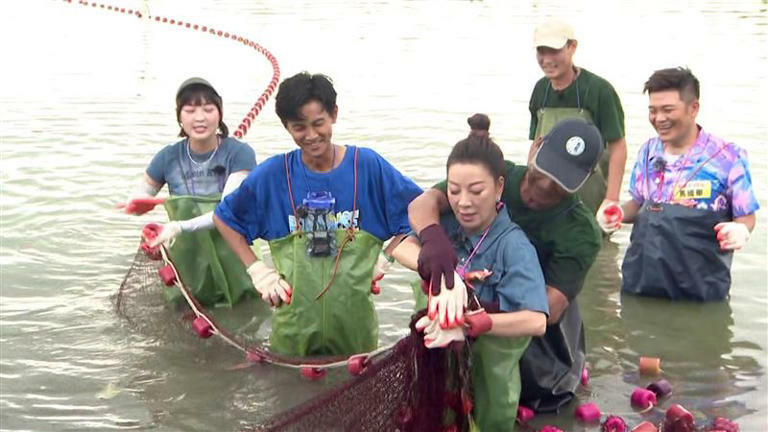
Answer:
[(261, 206), (189, 173), (516, 282)]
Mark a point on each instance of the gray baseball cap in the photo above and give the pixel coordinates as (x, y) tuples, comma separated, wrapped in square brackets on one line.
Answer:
[(195, 81), (569, 153)]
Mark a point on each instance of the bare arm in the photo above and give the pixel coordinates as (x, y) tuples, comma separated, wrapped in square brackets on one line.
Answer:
[(426, 208), (748, 220), (236, 242), (618, 160), (519, 323), (558, 303), (630, 208), (407, 253)]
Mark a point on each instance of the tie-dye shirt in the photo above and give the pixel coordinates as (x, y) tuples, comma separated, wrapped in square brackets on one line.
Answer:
[(713, 174)]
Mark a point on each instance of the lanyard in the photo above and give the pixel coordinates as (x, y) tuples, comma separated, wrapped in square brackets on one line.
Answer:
[(462, 269)]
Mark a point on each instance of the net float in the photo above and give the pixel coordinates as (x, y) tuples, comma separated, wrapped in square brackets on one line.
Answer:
[(585, 376), (313, 373), (614, 424), (650, 365), (661, 387), (524, 414), (549, 428), (588, 412), (643, 398), (254, 357), (356, 365), (202, 327), (723, 424), (678, 418), (167, 275), (645, 426), (403, 416)]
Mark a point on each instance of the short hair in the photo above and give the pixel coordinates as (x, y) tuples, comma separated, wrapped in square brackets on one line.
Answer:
[(679, 78), (478, 148), (197, 95), (298, 90)]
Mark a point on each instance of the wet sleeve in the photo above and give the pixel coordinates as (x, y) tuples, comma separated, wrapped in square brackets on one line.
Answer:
[(740, 190), (522, 284), (397, 191), (611, 114), (156, 168), (240, 209), (573, 255), (243, 158)]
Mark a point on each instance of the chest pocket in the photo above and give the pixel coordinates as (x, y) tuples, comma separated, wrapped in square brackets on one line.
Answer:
[(487, 290)]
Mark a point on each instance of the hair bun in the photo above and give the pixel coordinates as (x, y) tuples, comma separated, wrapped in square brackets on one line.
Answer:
[(479, 124)]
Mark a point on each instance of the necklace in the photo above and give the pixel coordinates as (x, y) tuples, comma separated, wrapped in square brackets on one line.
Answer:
[(189, 154)]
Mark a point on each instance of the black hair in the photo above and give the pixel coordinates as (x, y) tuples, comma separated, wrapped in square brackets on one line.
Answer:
[(296, 91), (478, 147), (679, 78), (199, 94)]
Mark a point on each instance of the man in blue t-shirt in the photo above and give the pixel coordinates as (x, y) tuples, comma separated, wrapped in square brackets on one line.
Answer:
[(325, 210)]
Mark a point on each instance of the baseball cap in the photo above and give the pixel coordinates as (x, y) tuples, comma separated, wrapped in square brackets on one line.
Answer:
[(569, 153), (194, 81), (552, 33)]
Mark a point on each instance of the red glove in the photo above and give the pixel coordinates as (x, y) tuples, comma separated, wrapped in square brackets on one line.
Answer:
[(478, 322), (436, 258)]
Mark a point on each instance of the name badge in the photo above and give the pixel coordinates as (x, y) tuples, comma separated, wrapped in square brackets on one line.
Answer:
[(701, 189)]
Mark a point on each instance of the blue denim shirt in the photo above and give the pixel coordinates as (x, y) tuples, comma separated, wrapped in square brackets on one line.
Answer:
[(517, 282)]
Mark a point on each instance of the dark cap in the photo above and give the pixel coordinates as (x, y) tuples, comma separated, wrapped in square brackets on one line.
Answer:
[(569, 153), (195, 81)]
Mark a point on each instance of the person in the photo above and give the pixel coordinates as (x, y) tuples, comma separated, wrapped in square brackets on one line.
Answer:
[(570, 91), (540, 199), (198, 169), (692, 200), (325, 210), (509, 284)]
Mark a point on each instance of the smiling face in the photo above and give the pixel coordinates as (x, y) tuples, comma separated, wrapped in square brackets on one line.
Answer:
[(556, 63), (200, 120), (673, 118), (313, 130), (472, 194)]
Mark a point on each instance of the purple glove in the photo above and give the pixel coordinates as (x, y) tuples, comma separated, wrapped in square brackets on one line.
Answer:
[(436, 258)]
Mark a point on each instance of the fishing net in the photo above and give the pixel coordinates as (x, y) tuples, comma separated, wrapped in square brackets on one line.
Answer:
[(407, 388), (404, 387)]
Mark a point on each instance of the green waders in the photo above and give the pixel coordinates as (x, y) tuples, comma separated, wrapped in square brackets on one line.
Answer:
[(495, 377), (592, 193), (207, 265), (343, 320)]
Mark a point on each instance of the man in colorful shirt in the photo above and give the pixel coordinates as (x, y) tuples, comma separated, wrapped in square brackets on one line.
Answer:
[(569, 91), (692, 200)]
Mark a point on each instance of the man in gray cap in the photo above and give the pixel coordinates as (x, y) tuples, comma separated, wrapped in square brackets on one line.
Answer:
[(570, 91), (540, 199)]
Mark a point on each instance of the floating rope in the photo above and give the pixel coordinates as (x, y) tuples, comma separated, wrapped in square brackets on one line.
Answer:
[(245, 123)]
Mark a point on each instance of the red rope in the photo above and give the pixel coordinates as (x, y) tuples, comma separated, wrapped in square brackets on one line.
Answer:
[(242, 128)]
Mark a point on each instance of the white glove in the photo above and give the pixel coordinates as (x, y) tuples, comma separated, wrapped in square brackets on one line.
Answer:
[(437, 337), (168, 233), (609, 216), (732, 235), (273, 289), (382, 267), (447, 308)]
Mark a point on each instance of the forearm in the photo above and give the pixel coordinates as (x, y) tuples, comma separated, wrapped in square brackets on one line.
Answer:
[(748, 220), (558, 303), (616, 163), (407, 253), (630, 208), (425, 209), (520, 323), (236, 242)]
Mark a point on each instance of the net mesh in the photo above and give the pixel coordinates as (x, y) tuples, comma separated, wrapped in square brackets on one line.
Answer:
[(405, 388)]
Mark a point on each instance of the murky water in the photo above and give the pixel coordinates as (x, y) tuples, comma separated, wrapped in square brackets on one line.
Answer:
[(87, 99)]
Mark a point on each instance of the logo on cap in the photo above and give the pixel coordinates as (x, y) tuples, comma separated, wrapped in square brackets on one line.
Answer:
[(575, 146)]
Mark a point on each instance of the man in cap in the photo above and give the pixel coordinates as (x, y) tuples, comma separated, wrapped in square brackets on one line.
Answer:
[(540, 199), (570, 91), (692, 200)]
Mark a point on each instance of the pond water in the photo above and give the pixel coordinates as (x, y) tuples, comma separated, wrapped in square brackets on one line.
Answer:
[(87, 99)]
